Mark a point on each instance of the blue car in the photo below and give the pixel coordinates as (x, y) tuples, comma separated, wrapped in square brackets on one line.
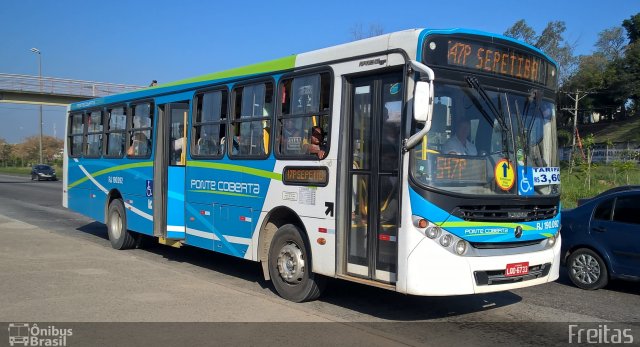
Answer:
[(601, 238)]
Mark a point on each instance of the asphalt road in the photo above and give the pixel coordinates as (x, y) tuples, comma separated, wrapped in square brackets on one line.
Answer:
[(488, 319)]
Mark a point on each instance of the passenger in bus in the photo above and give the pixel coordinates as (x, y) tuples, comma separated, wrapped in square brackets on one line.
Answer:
[(292, 139), (318, 145), (178, 144), (459, 143), (139, 145)]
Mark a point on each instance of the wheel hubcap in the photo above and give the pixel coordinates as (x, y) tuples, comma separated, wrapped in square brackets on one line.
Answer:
[(115, 225), (586, 269), (291, 263)]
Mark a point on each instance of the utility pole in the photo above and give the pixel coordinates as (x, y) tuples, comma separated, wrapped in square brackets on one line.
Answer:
[(37, 51), (574, 112)]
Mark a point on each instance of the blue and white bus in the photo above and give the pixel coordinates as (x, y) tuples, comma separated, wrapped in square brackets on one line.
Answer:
[(422, 161)]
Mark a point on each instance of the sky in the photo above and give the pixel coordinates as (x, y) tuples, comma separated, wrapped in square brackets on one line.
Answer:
[(134, 42)]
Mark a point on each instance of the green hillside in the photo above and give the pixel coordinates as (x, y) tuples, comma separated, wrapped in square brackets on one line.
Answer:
[(619, 131)]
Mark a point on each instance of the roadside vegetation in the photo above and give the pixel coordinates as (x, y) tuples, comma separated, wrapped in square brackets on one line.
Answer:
[(17, 159), (602, 176)]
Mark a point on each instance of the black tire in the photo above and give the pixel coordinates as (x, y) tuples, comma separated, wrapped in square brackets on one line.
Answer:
[(587, 270), (290, 266), (32, 178), (120, 237)]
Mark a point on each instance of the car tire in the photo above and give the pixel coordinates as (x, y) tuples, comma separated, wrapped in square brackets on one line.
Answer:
[(120, 237), (587, 270), (290, 266), (32, 177)]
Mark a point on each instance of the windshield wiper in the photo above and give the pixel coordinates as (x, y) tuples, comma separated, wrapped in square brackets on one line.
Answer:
[(526, 128), (473, 83), (498, 115)]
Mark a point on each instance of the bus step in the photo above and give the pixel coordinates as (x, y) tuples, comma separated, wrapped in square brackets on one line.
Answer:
[(170, 242)]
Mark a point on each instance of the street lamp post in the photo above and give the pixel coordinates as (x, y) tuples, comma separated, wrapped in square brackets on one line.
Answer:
[(37, 51)]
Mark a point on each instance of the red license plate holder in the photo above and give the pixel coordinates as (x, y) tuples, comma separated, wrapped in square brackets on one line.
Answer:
[(517, 269)]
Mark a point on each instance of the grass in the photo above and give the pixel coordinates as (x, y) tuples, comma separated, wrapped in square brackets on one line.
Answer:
[(619, 131), (603, 177)]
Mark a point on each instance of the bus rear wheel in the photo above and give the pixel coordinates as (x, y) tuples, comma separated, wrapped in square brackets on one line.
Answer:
[(290, 266), (120, 237)]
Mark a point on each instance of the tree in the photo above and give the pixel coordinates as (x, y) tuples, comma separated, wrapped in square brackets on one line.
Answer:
[(629, 66), (521, 31), (550, 41), (632, 25), (28, 149), (5, 152), (611, 43), (358, 33)]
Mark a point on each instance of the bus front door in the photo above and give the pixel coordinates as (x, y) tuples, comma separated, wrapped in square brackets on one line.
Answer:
[(375, 115), (169, 171)]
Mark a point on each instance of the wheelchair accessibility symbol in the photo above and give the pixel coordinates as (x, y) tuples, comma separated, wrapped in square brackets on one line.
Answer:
[(149, 189), (525, 184)]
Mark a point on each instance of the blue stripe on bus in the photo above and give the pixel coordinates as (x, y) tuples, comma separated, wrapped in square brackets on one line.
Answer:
[(481, 231)]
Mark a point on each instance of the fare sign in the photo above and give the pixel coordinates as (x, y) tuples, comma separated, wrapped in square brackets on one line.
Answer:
[(497, 60)]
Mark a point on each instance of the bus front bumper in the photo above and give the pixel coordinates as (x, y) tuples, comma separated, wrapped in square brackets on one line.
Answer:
[(434, 271)]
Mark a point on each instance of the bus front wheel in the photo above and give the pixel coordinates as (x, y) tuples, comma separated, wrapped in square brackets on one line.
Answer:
[(120, 237), (290, 266)]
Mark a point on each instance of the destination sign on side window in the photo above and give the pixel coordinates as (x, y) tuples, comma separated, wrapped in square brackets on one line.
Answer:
[(496, 60), (305, 176)]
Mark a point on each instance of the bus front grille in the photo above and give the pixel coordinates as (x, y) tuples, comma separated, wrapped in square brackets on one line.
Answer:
[(497, 213)]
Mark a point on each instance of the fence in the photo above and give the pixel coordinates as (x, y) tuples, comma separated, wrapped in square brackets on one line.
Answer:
[(603, 153), (61, 86)]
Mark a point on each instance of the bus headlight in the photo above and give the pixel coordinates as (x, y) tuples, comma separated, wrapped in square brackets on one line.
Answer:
[(461, 247), (552, 240), (432, 232), (445, 240)]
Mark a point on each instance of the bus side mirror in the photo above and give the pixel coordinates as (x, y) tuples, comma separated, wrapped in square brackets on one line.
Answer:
[(423, 103)]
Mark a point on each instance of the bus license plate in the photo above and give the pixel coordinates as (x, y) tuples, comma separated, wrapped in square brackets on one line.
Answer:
[(517, 269)]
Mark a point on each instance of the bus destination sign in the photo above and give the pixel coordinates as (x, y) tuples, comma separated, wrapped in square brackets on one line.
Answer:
[(499, 60)]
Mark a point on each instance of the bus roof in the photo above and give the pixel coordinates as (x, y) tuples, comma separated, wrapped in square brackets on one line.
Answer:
[(408, 40)]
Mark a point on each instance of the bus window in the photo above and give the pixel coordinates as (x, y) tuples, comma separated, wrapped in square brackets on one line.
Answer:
[(94, 134), (251, 123), (115, 134), (140, 131), (177, 136), (209, 124), (76, 134), (303, 117)]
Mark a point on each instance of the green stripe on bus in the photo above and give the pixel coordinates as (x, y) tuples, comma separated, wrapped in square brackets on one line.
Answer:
[(484, 225), (223, 193), (285, 63), (111, 169), (236, 168), (218, 166)]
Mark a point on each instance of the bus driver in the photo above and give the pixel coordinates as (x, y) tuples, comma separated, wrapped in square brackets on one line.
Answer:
[(459, 143)]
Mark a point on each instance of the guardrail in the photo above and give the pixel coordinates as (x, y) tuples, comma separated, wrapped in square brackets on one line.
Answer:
[(61, 86)]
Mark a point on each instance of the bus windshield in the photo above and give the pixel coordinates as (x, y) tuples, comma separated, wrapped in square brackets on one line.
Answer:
[(474, 130)]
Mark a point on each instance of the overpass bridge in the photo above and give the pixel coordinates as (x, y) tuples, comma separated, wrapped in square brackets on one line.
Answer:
[(27, 89)]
